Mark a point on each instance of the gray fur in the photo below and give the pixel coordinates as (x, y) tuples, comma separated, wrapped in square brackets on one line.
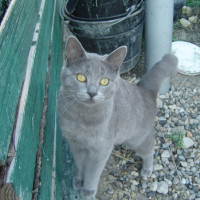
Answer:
[(117, 113)]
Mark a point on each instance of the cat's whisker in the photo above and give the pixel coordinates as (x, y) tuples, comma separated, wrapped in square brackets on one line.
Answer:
[(67, 105), (65, 97), (76, 105)]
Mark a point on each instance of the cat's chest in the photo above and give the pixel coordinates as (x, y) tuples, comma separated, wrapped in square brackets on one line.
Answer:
[(86, 125)]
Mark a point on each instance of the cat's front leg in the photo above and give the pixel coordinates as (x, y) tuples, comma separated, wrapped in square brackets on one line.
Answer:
[(80, 157), (96, 162)]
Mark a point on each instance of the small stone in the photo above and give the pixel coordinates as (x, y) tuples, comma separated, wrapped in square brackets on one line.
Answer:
[(191, 121), (134, 182), (165, 154), (168, 182), (162, 187), (181, 158), (159, 103), (172, 107), (176, 94), (157, 167), (179, 152), (153, 186), (110, 191), (133, 194), (175, 195), (179, 129), (144, 185), (188, 11), (185, 23), (184, 10), (193, 169), (183, 163), (153, 176), (189, 134), (132, 187), (175, 181), (133, 79), (183, 180), (192, 155), (162, 119), (187, 142), (193, 19), (151, 194), (198, 118), (171, 166)]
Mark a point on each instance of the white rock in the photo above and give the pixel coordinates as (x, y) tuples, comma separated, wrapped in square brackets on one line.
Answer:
[(184, 164), (185, 23), (132, 187), (162, 187), (153, 176), (163, 96), (198, 118), (179, 129), (172, 107), (159, 103), (183, 180), (193, 19), (133, 79), (187, 142), (153, 186), (188, 10), (168, 182), (184, 10), (124, 162), (165, 154), (134, 182), (157, 167)]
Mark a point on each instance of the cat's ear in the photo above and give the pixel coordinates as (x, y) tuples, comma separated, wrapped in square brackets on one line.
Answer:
[(116, 58), (74, 49)]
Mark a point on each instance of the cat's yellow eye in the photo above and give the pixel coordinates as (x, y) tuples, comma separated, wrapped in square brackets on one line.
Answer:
[(81, 77), (104, 81)]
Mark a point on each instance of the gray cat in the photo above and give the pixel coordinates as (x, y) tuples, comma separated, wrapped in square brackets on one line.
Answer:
[(98, 109)]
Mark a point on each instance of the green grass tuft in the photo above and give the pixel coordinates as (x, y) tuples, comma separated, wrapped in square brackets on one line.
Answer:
[(177, 139)]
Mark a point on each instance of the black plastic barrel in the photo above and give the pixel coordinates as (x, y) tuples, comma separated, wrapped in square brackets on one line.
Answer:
[(99, 9), (103, 37)]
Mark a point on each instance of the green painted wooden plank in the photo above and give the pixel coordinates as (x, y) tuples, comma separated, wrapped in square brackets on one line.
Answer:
[(16, 32), (52, 187), (21, 172)]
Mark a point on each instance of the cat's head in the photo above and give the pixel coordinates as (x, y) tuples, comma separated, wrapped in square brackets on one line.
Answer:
[(88, 77)]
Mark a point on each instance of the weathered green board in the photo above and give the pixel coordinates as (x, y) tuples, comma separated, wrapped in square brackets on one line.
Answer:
[(16, 32), (51, 172), (21, 172)]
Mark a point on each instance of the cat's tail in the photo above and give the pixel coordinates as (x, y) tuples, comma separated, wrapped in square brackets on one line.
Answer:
[(153, 79)]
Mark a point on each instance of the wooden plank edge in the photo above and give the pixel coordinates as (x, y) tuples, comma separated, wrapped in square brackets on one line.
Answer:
[(53, 180), (7, 14)]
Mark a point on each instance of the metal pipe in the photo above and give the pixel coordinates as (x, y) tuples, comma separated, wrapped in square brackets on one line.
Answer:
[(158, 34)]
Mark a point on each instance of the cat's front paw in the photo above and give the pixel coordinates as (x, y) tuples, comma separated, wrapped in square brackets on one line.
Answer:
[(88, 194), (77, 184), (146, 173)]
